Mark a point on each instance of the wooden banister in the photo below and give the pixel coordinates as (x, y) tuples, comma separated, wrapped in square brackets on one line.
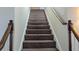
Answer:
[(8, 31), (75, 32), (72, 29)]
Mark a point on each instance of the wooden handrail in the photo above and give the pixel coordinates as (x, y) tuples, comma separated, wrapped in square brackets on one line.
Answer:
[(8, 31), (59, 17), (73, 30)]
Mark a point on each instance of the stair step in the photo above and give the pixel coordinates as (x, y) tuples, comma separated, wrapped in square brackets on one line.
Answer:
[(37, 23), (37, 14), (38, 37), (38, 31), (38, 41), (38, 27), (31, 16), (40, 49), (37, 20), (37, 10), (39, 44)]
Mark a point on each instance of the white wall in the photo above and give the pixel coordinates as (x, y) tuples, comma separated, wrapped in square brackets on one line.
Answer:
[(73, 14), (75, 43), (21, 17), (41, 7), (37, 7), (60, 31), (62, 11), (6, 14)]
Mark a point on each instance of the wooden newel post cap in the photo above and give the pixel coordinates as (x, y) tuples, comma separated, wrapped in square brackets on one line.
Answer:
[(11, 23), (69, 25), (69, 21)]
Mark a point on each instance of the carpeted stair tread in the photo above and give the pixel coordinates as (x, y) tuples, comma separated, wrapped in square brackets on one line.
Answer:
[(40, 49), (39, 44), (38, 26), (39, 37), (37, 18), (38, 41), (37, 22), (38, 31), (32, 19)]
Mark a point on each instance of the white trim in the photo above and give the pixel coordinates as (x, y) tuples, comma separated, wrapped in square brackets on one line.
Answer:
[(24, 31), (42, 8), (56, 39), (53, 32)]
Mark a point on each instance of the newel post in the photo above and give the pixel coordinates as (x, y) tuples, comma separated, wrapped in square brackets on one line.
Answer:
[(69, 35), (11, 36)]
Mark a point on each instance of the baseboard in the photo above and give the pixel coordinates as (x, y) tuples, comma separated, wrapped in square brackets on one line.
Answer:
[(24, 31), (58, 46)]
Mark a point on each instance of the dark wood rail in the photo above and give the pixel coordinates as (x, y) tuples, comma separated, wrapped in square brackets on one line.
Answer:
[(72, 29), (59, 17), (8, 31)]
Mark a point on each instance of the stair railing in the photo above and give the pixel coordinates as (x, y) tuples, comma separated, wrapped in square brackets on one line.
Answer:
[(59, 17), (8, 31), (71, 29)]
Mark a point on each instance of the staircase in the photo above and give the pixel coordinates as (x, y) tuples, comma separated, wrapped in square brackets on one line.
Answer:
[(38, 34)]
